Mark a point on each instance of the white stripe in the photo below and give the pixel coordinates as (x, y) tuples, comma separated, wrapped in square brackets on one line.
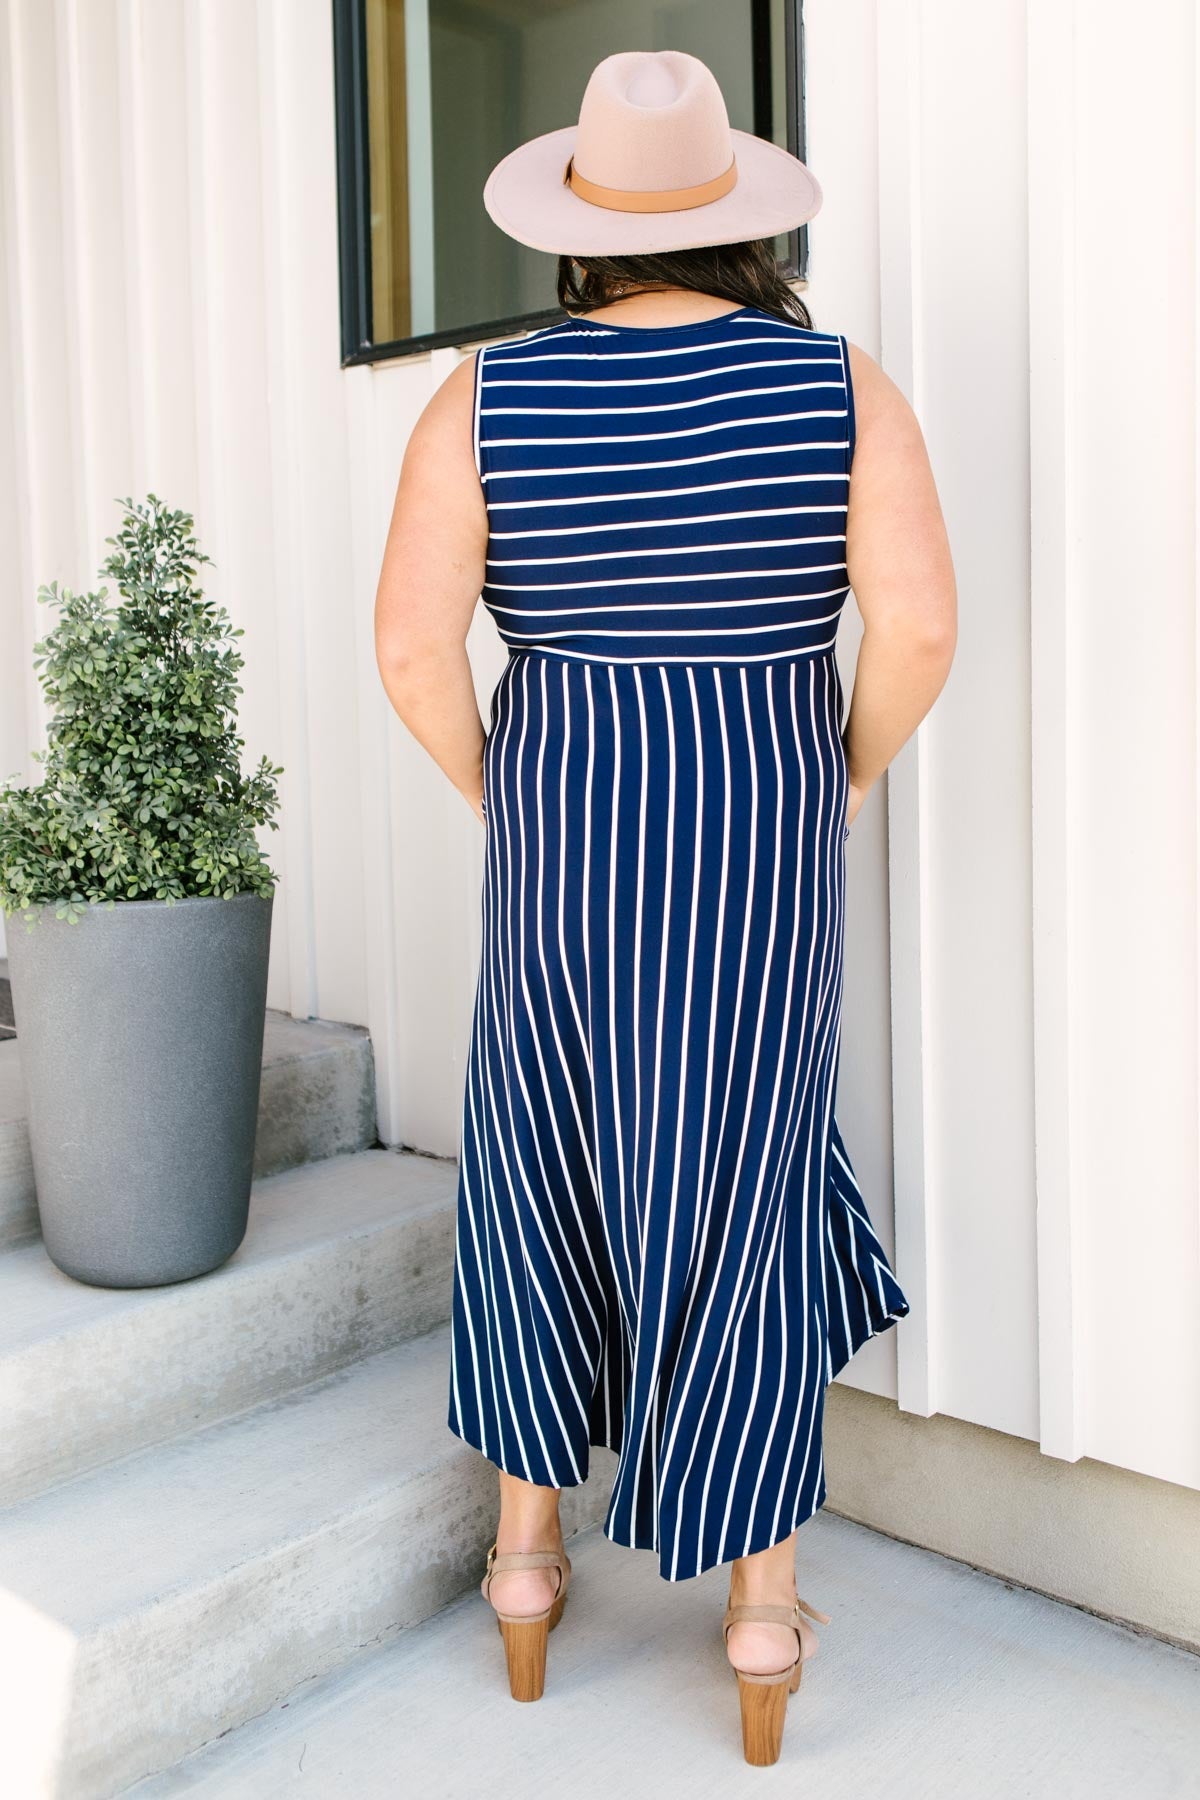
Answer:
[(569, 986), (709, 549), (625, 382), (766, 656), (612, 961), (677, 1155), (754, 481), (805, 1053), (692, 631), (700, 1342), (792, 1128), (662, 437), (566, 1183), (509, 1135), (717, 399), (541, 613), (679, 461), (701, 348), (745, 1276), (717, 518), (692, 575), (829, 971)]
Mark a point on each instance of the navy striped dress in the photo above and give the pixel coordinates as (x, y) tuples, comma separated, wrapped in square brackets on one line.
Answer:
[(661, 1244)]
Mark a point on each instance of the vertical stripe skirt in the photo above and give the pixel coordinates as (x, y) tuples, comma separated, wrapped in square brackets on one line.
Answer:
[(661, 1246)]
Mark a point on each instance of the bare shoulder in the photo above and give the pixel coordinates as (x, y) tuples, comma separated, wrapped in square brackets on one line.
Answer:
[(881, 409), (444, 427), (439, 491)]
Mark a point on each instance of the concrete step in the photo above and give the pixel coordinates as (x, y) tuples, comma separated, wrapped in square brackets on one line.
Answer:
[(932, 1680), (342, 1258), (167, 1598), (317, 1099)]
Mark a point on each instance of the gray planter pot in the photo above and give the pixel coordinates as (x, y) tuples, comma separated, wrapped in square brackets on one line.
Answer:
[(141, 1035)]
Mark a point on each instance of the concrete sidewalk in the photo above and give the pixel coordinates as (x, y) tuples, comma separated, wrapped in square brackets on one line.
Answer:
[(932, 1680)]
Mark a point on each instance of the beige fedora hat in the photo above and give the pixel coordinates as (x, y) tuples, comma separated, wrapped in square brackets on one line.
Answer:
[(652, 165)]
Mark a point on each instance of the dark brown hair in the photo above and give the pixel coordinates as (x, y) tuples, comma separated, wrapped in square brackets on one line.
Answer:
[(748, 274)]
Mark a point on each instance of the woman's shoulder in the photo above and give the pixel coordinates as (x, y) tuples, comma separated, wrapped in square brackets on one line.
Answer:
[(867, 372), (878, 401)]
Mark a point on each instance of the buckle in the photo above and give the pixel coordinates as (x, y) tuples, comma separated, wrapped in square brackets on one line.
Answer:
[(491, 1557)]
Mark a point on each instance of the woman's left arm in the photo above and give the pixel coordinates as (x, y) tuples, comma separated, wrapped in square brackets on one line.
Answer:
[(429, 585)]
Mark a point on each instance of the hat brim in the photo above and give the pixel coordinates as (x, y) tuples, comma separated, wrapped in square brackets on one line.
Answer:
[(525, 195)]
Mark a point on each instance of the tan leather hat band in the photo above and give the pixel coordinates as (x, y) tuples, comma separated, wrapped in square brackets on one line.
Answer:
[(649, 200)]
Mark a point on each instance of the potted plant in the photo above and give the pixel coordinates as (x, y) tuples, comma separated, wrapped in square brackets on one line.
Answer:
[(139, 978)]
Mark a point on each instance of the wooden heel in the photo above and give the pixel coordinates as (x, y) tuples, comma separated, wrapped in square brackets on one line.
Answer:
[(525, 1639), (525, 1652), (764, 1698), (764, 1709)]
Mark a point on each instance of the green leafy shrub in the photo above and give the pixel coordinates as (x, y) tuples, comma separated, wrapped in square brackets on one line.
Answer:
[(143, 796)]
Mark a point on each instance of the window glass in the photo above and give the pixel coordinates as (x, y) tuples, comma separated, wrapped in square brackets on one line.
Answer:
[(432, 93)]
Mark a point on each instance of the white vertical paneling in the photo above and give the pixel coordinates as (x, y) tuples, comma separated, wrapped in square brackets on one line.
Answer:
[(1054, 628), (233, 505), (51, 541), (972, 857), (15, 624), (900, 307), (841, 119), (307, 463), (1135, 817), (1195, 401), (158, 273), (320, 609), (94, 239), (372, 471)]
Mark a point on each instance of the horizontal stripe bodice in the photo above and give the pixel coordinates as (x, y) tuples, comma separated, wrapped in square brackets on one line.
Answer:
[(666, 493)]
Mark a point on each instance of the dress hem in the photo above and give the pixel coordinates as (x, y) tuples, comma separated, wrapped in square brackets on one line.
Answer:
[(883, 1322)]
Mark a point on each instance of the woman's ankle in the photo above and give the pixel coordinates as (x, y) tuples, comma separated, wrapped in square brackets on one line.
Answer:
[(529, 1518), (766, 1578)]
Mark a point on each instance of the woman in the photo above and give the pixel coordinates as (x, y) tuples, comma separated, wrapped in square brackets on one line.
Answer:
[(663, 500)]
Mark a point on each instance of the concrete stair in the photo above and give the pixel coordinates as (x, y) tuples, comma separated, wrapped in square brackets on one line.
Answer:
[(213, 1492), (933, 1682), (172, 1595), (341, 1258), (317, 1100)]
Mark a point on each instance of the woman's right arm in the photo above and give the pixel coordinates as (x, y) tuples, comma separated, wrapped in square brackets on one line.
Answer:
[(899, 565)]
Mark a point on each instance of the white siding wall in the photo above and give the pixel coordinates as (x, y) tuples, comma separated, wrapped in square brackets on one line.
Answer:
[(1010, 225)]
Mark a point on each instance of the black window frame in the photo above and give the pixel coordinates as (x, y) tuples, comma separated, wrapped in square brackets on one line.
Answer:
[(354, 195)]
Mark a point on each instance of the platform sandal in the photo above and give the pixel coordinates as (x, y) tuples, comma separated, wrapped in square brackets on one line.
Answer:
[(525, 1634), (764, 1697)]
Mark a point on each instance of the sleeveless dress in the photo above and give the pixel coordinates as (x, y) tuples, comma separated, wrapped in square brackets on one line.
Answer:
[(661, 1245)]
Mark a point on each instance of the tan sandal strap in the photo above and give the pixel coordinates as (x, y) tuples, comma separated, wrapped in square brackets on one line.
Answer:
[(524, 1559), (759, 1615), (511, 1560), (771, 1615)]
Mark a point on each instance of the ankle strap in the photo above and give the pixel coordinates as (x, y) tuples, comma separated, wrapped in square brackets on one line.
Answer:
[(772, 1615), (523, 1559)]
